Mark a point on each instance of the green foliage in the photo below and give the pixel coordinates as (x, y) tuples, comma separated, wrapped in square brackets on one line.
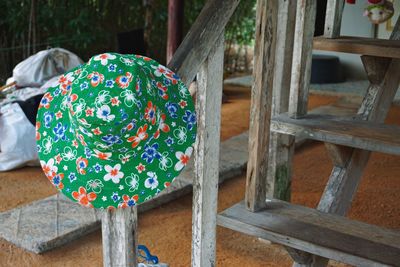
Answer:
[(87, 27)]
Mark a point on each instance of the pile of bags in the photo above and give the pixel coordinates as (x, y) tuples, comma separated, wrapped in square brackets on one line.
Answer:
[(19, 103)]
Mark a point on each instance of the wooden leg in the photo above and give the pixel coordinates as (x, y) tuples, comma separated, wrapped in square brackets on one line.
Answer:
[(205, 183), (282, 146), (261, 97), (333, 18), (119, 234)]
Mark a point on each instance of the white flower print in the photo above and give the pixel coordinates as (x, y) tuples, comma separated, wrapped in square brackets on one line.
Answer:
[(103, 58), (47, 145), (102, 98), (165, 161), (181, 134), (104, 113), (183, 158), (68, 154), (151, 181), (132, 181), (48, 167), (113, 173), (79, 107)]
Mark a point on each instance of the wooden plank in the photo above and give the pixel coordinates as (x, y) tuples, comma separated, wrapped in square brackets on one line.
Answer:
[(353, 133), (205, 183), (302, 55), (333, 18), (359, 45), (201, 37), (260, 108), (119, 237), (320, 233), (281, 145)]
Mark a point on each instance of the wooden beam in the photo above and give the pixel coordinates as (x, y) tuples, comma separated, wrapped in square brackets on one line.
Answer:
[(302, 55), (205, 183), (119, 235), (201, 38), (175, 26), (261, 97), (333, 18)]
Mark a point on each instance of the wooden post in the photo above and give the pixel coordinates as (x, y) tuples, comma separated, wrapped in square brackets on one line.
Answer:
[(205, 183), (282, 146), (175, 26), (119, 234), (333, 18), (260, 108), (302, 56)]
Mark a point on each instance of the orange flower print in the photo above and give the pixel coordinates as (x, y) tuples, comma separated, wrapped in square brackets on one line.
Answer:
[(102, 155), (83, 198), (162, 126), (140, 136), (56, 180), (150, 113), (37, 130), (128, 201), (123, 81), (81, 165), (95, 78)]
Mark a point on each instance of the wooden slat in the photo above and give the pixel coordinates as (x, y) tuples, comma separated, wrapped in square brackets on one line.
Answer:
[(353, 133), (316, 232), (205, 182), (201, 37), (359, 45), (119, 237), (261, 97)]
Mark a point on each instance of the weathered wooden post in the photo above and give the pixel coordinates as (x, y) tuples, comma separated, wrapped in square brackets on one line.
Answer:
[(119, 235), (205, 184)]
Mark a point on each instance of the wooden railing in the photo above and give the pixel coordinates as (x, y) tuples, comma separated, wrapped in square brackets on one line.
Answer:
[(201, 53)]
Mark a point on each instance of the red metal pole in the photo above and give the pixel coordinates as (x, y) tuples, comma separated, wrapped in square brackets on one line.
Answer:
[(175, 26)]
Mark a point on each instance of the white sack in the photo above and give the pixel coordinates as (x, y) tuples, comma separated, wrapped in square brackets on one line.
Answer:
[(17, 139)]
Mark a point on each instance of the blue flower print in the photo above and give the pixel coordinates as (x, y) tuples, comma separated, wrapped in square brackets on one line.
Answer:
[(84, 86), (166, 81), (169, 141), (97, 168), (59, 132), (88, 153), (150, 153), (110, 83), (48, 118), (115, 196), (110, 139), (57, 92), (112, 67), (189, 118), (72, 177), (172, 109)]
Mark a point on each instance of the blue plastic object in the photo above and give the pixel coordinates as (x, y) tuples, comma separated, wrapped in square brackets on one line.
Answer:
[(144, 254)]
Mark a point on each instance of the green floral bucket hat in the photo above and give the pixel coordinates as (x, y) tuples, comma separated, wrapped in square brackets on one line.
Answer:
[(116, 131)]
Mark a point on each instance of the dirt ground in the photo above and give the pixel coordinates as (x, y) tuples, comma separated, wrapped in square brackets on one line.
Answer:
[(167, 230)]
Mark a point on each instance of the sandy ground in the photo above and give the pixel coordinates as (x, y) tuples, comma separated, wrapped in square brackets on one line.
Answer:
[(167, 230)]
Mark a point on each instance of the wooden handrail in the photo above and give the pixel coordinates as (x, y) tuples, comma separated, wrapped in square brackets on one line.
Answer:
[(201, 38)]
